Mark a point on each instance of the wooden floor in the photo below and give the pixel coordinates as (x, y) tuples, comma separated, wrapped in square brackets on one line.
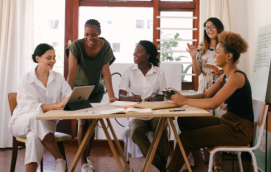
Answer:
[(102, 159)]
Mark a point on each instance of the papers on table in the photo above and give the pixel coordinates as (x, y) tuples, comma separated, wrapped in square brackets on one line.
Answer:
[(123, 110), (122, 103)]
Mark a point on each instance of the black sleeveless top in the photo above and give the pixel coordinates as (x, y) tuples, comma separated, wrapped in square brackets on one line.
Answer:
[(240, 102)]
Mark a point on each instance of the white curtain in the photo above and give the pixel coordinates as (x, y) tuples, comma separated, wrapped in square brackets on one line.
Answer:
[(16, 47), (220, 9)]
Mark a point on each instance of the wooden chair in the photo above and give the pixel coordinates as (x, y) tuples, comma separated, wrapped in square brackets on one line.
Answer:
[(260, 112), (17, 141)]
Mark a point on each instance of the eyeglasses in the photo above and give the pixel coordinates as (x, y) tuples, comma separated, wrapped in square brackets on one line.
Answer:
[(210, 27)]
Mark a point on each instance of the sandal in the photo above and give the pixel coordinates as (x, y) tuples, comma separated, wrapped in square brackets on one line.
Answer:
[(218, 168)]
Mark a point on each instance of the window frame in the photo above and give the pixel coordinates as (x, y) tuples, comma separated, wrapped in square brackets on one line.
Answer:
[(72, 17)]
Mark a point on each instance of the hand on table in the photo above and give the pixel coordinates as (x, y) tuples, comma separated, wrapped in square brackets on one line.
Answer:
[(178, 99), (112, 99), (62, 103), (136, 98), (149, 99)]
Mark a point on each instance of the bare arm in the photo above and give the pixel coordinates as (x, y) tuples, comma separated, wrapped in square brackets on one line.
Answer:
[(212, 101), (108, 82), (72, 69), (193, 53), (124, 97), (47, 107)]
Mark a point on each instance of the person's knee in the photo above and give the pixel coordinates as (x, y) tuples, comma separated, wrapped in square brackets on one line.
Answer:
[(137, 133), (32, 138)]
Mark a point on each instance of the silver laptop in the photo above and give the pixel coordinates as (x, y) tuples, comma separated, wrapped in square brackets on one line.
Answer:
[(80, 94)]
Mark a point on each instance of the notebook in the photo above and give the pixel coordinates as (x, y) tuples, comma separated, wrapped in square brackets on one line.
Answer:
[(123, 103), (126, 111)]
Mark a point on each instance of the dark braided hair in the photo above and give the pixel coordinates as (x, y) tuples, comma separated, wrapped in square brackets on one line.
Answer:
[(40, 50), (152, 50), (93, 22)]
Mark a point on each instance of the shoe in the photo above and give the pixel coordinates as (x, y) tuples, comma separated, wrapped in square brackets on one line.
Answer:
[(86, 168), (90, 164), (61, 165)]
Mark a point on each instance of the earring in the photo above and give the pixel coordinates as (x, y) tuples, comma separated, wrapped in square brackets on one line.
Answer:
[(227, 61)]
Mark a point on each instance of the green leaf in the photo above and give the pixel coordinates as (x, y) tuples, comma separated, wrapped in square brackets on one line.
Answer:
[(176, 35)]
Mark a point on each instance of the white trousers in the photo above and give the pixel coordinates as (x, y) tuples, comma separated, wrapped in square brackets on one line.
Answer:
[(34, 130)]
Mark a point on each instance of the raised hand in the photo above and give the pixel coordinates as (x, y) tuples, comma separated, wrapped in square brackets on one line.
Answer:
[(192, 50)]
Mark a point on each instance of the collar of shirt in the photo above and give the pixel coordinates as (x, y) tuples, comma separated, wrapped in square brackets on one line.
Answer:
[(151, 71), (33, 78)]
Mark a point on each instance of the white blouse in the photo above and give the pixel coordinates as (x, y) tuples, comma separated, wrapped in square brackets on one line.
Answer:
[(152, 84), (32, 93)]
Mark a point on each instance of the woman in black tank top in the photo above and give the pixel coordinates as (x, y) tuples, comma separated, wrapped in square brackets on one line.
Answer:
[(233, 128)]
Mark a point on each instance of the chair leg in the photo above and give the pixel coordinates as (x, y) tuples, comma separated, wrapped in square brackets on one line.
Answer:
[(232, 161), (41, 165), (254, 161), (14, 154), (211, 158), (62, 151), (240, 161)]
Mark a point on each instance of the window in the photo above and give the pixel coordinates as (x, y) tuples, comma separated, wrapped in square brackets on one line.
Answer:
[(129, 28), (139, 24), (149, 24), (123, 34), (49, 28), (53, 24), (54, 44), (116, 47)]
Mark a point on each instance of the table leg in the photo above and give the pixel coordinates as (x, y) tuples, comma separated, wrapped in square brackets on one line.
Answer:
[(158, 133), (113, 149), (83, 145), (180, 144), (118, 144)]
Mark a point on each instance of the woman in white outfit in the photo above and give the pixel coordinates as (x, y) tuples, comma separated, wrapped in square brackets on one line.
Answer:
[(39, 91)]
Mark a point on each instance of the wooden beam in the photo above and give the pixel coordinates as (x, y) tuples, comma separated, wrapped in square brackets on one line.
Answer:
[(68, 32), (177, 5), (156, 23), (116, 4), (195, 79), (75, 19)]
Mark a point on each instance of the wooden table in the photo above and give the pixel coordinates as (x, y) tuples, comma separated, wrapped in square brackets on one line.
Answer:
[(93, 113)]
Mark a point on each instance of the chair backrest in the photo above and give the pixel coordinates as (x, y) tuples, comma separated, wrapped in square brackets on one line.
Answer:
[(12, 101), (260, 110)]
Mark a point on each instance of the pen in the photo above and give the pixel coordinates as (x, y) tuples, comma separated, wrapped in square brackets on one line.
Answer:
[(177, 110), (133, 93)]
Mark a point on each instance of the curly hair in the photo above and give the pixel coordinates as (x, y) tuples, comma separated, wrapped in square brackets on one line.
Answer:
[(233, 43)]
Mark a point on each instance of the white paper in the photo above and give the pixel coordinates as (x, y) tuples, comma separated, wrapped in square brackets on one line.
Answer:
[(122, 103)]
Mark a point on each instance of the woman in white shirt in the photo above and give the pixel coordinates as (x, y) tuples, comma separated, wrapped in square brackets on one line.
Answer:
[(146, 81), (39, 91)]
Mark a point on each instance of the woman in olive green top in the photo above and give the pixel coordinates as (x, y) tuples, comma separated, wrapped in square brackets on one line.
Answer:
[(89, 60)]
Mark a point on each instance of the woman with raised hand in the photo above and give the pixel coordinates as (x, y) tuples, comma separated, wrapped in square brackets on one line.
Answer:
[(40, 91), (89, 60), (205, 54), (146, 80), (235, 128)]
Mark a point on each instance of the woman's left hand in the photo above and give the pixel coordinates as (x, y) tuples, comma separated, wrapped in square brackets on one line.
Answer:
[(112, 99), (178, 99)]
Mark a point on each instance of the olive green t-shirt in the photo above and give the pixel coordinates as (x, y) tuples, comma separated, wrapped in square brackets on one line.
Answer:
[(89, 70)]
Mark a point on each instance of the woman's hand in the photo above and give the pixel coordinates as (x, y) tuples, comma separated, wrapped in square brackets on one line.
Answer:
[(177, 92), (136, 98), (62, 103), (192, 50), (149, 99), (178, 99), (112, 99)]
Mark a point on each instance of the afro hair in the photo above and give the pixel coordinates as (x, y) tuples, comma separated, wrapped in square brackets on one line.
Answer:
[(233, 41)]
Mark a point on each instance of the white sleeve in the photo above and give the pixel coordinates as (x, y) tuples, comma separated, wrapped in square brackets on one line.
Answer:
[(27, 98), (65, 89), (162, 82), (125, 80)]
